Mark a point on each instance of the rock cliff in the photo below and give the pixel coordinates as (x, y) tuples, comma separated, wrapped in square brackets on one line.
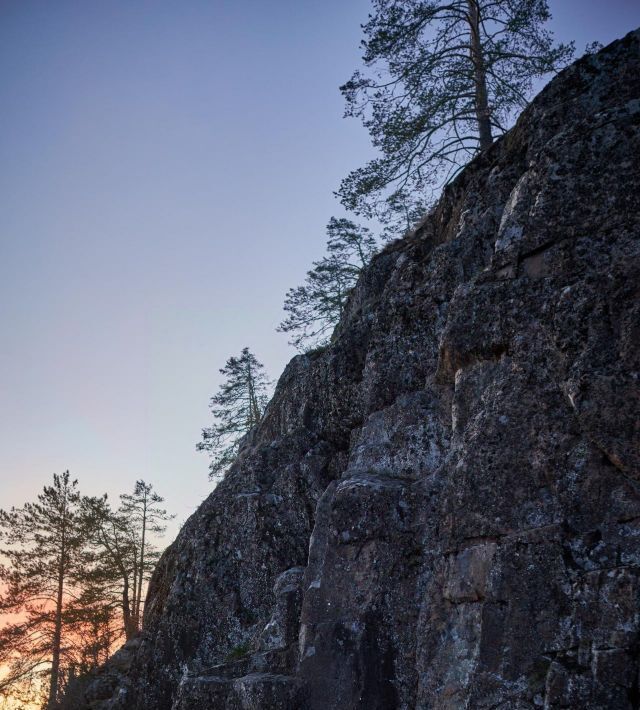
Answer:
[(441, 509)]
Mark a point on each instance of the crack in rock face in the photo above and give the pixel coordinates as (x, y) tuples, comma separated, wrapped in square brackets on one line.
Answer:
[(442, 508)]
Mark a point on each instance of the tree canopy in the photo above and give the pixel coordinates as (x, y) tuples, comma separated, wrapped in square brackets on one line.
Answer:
[(441, 79)]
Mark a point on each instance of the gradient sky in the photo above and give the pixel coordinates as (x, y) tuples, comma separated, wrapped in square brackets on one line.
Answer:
[(166, 172)]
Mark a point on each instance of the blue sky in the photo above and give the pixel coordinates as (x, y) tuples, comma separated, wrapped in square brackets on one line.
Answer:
[(166, 172)]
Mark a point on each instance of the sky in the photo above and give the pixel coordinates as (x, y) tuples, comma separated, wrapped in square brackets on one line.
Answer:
[(166, 173)]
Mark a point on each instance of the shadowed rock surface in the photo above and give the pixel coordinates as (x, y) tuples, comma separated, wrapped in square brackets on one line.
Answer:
[(442, 509)]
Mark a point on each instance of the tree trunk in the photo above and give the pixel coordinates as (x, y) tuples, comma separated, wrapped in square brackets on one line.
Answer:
[(134, 595), (479, 76), (57, 635), (129, 626), (254, 410), (141, 570)]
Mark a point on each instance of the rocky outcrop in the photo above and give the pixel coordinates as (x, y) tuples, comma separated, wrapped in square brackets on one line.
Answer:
[(442, 509)]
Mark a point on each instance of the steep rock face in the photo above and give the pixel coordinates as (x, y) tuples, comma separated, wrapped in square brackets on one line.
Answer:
[(442, 509)]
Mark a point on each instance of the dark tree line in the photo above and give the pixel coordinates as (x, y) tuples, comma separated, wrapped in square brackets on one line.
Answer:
[(72, 582)]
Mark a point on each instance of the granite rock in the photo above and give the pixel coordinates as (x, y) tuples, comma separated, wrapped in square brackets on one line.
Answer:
[(442, 508)]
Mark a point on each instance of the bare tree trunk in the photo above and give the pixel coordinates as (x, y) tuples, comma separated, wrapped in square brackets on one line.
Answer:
[(57, 633), (129, 627), (254, 410), (141, 570), (479, 76), (134, 595)]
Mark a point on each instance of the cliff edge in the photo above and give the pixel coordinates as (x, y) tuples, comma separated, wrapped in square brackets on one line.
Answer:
[(441, 509)]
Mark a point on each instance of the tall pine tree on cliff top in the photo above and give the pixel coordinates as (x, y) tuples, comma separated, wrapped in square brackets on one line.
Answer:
[(237, 408), (442, 79)]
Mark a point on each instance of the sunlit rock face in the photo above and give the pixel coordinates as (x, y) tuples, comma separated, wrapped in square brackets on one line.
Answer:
[(442, 509)]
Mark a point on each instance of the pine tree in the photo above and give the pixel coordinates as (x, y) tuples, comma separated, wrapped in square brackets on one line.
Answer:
[(112, 564), (93, 631), (42, 543), (314, 308), (442, 78), (237, 408), (121, 555), (144, 519)]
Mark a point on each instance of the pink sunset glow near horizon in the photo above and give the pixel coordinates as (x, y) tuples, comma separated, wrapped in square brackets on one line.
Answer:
[(167, 173)]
